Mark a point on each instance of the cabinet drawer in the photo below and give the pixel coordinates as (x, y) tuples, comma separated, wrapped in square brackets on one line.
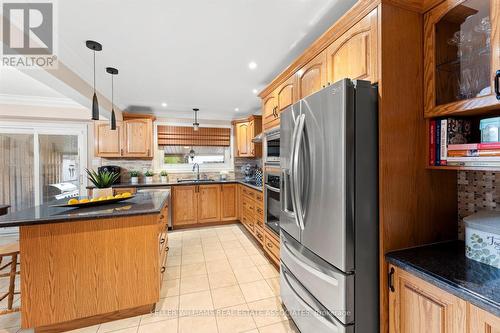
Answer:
[(259, 211), (259, 234), (248, 205), (248, 192), (271, 246), (259, 198), (259, 220)]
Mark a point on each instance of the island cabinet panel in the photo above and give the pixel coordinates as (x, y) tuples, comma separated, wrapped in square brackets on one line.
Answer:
[(208, 203), (416, 306), (185, 205), (229, 202), (481, 321), (312, 77), (107, 143), (138, 138), (354, 54), (82, 269)]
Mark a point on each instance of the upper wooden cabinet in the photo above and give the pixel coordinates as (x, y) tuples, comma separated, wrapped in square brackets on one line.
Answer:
[(229, 202), (208, 203), (286, 94), (312, 76), (132, 139), (138, 138), (462, 57), (270, 116), (108, 143), (354, 54), (244, 132), (416, 306)]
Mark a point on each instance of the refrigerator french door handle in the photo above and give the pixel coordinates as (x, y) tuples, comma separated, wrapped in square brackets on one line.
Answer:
[(296, 258), (320, 312), (295, 162), (285, 187), (292, 172)]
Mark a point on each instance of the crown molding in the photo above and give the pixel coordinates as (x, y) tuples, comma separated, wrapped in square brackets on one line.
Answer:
[(57, 102)]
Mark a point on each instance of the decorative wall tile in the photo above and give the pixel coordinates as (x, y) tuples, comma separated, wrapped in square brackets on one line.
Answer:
[(476, 191)]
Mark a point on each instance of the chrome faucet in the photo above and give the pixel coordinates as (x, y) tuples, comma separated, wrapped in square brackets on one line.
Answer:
[(197, 167)]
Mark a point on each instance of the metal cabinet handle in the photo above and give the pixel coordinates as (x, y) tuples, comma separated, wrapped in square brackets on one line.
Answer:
[(162, 270), (121, 152), (162, 241), (390, 280), (167, 249), (497, 84)]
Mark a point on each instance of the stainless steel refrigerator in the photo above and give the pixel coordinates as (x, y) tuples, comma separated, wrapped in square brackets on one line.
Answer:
[(329, 210)]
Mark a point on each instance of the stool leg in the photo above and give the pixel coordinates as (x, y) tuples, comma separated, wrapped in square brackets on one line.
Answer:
[(12, 284)]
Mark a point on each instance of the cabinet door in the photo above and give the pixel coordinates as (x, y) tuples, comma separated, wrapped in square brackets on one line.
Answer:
[(354, 54), (481, 321), (242, 135), (286, 94), (229, 202), (138, 138), (184, 205), (416, 306), (208, 203), (312, 77), (107, 143), (269, 112), (461, 57)]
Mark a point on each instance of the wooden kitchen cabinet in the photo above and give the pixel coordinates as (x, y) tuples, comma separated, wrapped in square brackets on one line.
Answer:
[(461, 58), (229, 202), (208, 203), (138, 138), (312, 76), (108, 143), (354, 54), (270, 117), (245, 130), (185, 205), (416, 306), (132, 138), (481, 321)]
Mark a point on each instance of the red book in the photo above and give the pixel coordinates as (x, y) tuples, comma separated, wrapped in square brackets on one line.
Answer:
[(489, 145), (432, 142)]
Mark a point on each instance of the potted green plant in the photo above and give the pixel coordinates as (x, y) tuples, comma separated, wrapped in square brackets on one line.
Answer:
[(149, 176), (102, 181), (164, 176), (134, 176)]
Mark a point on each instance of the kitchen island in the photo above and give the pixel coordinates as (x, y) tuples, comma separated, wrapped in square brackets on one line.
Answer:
[(80, 267)]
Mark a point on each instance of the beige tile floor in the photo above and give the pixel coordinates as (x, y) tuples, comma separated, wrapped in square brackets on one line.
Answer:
[(217, 280)]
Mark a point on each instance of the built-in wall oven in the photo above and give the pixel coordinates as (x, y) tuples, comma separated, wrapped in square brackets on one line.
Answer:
[(271, 146), (272, 199)]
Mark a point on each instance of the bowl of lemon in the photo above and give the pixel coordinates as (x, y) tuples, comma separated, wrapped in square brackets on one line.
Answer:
[(89, 202)]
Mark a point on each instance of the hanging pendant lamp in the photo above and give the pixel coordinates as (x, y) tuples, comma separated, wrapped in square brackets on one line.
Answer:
[(94, 46), (113, 72), (196, 125)]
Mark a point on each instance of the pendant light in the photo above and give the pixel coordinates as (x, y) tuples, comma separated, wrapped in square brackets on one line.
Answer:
[(113, 72), (94, 46), (196, 125)]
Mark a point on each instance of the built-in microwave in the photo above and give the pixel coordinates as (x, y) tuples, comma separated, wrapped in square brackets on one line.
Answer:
[(272, 148), (272, 199)]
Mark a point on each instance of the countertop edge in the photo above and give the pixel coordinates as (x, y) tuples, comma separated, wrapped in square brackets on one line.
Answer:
[(141, 185), (446, 285)]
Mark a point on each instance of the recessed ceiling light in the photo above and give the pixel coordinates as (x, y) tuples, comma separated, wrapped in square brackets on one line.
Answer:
[(252, 65), (255, 91), (164, 104), (236, 109)]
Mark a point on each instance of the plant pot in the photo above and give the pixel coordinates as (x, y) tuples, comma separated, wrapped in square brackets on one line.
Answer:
[(164, 179), (134, 180), (102, 192), (149, 180)]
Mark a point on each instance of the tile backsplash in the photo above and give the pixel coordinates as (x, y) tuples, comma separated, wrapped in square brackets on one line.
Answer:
[(477, 191)]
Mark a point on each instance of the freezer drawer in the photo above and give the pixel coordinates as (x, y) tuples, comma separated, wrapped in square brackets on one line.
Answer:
[(307, 314), (331, 287)]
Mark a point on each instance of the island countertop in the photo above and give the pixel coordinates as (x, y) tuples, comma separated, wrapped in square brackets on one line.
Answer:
[(143, 203), (446, 266)]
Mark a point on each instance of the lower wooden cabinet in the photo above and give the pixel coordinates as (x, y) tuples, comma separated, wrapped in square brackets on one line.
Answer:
[(208, 203), (416, 306), (229, 202), (184, 205)]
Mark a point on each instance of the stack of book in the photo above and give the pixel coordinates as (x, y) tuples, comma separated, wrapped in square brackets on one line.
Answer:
[(451, 143)]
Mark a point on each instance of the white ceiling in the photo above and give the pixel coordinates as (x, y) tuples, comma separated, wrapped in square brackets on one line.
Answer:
[(191, 53)]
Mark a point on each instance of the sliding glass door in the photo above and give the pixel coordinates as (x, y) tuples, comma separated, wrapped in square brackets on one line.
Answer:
[(41, 163)]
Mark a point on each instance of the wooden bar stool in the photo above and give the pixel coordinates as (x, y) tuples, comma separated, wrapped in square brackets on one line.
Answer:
[(9, 250)]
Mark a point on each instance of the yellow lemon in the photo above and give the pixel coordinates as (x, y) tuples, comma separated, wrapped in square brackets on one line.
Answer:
[(110, 197), (126, 194), (101, 198), (84, 200), (72, 201), (118, 196), (93, 200)]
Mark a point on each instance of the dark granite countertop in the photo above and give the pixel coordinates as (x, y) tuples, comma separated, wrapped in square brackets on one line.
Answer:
[(446, 266), (142, 204), (159, 184)]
